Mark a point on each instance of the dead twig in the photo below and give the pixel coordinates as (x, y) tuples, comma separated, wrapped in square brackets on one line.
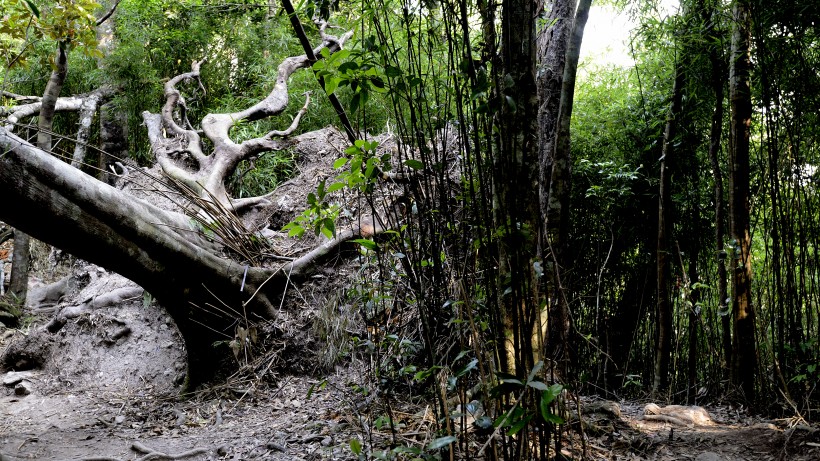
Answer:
[(153, 454)]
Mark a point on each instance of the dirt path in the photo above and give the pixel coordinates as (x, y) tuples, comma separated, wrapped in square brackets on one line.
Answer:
[(272, 424), (730, 436), (108, 381)]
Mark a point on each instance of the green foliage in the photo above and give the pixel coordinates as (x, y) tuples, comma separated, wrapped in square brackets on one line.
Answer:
[(69, 22), (320, 215), (357, 69), (521, 415), (612, 182), (259, 176)]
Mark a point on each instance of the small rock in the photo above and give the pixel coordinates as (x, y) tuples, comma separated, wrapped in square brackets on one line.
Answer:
[(14, 377), (23, 388), (708, 456), (119, 419), (275, 446), (326, 441)]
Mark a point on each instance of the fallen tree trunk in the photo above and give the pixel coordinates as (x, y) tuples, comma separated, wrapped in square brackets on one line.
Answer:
[(206, 294)]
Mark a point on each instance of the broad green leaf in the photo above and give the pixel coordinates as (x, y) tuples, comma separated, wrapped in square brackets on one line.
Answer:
[(335, 186), (331, 83), (348, 66), (441, 442), (520, 424), (414, 164), (356, 446), (367, 243), (537, 385)]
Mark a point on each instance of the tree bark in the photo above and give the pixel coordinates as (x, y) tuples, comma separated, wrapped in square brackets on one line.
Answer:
[(20, 265), (558, 214), (663, 344), (52, 92), (553, 42), (744, 347), (515, 181)]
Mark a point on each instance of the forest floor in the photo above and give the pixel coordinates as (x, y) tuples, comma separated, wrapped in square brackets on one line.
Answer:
[(93, 399)]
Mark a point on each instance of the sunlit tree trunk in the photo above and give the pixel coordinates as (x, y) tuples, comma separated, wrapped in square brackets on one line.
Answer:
[(744, 356), (558, 212)]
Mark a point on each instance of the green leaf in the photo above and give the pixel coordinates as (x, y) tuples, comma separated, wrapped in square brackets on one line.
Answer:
[(349, 66), (33, 8), (331, 84), (537, 385), (535, 370), (321, 190), (441, 442), (367, 243), (340, 162), (554, 391), (356, 446), (520, 424), (329, 228), (414, 164), (334, 187), (371, 167)]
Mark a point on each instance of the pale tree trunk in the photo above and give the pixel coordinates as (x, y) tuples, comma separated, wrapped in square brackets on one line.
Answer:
[(663, 337), (164, 252), (45, 122), (22, 255), (744, 347), (553, 42), (558, 213)]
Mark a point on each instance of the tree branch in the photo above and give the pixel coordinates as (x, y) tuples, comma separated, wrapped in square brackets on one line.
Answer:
[(87, 110), (300, 32), (108, 14), (266, 143)]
